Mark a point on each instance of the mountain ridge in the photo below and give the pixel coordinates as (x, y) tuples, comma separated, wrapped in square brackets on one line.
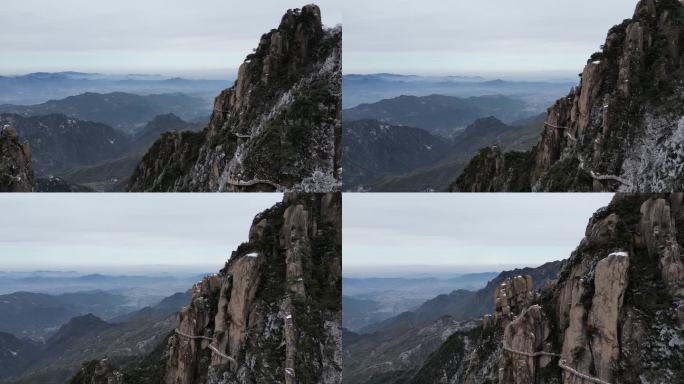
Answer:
[(439, 114), (277, 128), (437, 170)]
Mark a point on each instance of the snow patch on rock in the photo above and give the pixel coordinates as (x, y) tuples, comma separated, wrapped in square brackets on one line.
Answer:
[(656, 162)]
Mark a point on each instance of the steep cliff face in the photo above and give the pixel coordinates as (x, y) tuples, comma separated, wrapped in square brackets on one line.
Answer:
[(621, 129), (273, 312), (277, 128), (271, 315), (512, 295), (615, 314), (16, 174)]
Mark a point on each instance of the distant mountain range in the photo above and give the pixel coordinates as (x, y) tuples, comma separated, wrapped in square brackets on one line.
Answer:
[(84, 337), (440, 115), (367, 301), (139, 290), (125, 112), (358, 89), (69, 154), (164, 308), (37, 315), (36, 88)]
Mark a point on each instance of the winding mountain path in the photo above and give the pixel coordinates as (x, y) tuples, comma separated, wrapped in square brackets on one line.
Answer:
[(561, 363), (211, 345)]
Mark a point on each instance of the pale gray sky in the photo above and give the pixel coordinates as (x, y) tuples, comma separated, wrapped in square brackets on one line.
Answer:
[(394, 234), (174, 37), (125, 232), (496, 37), (208, 38)]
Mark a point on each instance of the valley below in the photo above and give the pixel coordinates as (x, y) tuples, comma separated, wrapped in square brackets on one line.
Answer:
[(417, 142), (93, 141), (57, 320), (394, 333)]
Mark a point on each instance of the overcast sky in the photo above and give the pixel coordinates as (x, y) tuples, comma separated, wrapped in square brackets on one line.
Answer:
[(400, 234), (209, 38), (174, 37), (496, 37), (125, 232)]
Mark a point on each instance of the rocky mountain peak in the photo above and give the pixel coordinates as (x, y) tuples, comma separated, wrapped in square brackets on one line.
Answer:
[(594, 321), (278, 61), (277, 128), (272, 314), (511, 297), (613, 316), (16, 173), (621, 128), (267, 316)]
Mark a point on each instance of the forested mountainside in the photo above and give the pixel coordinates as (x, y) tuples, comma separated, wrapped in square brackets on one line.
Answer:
[(59, 142), (371, 150), (386, 158), (72, 155), (621, 129)]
